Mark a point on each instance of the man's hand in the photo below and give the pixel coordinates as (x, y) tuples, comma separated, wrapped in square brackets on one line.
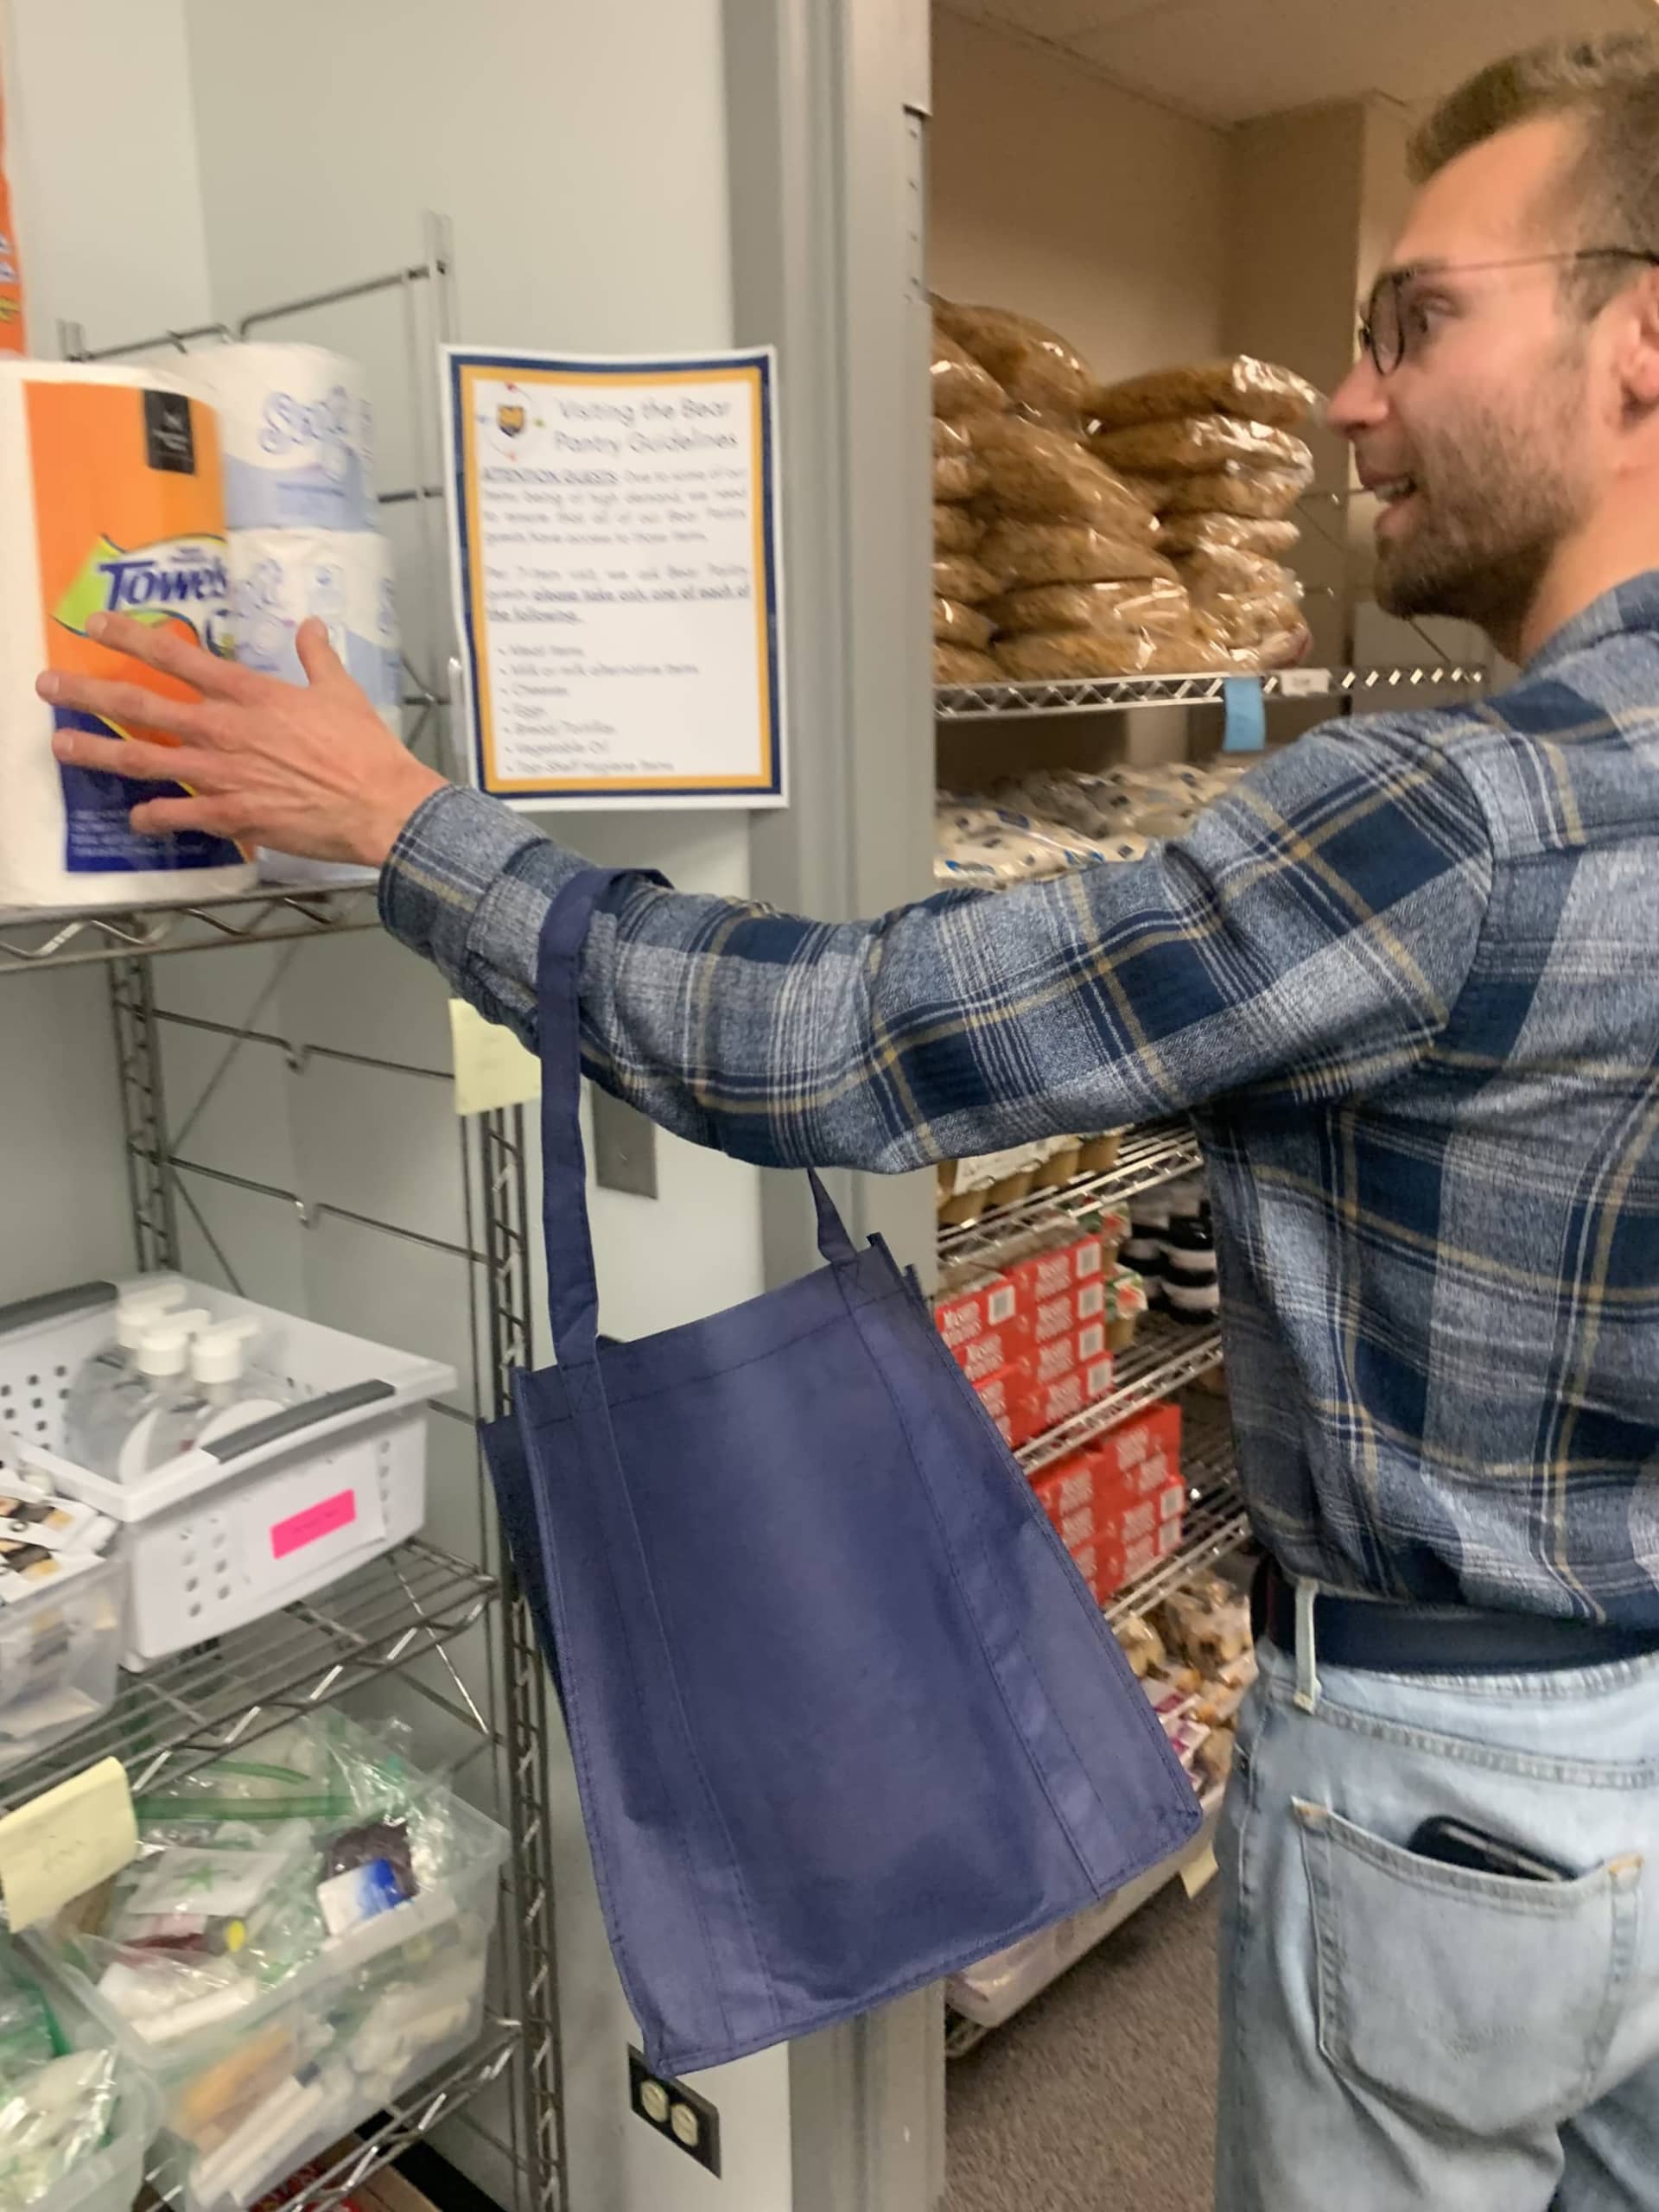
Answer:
[(310, 770)]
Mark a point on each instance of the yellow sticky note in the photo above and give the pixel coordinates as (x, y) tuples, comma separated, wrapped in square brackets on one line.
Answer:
[(65, 1841), (492, 1069), (1199, 1873)]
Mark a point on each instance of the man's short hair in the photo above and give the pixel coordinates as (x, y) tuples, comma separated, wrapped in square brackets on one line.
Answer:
[(1609, 191)]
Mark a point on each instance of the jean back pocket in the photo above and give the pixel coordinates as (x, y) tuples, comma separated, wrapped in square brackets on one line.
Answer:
[(1481, 2000)]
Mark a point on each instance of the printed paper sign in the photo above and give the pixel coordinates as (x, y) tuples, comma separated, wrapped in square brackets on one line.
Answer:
[(614, 536)]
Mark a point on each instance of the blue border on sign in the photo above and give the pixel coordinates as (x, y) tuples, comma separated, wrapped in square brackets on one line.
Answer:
[(658, 796)]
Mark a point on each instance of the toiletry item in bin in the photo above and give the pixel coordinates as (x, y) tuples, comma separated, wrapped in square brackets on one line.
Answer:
[(109, 502), (113, 1368), (50, 2120), (163, 1363), (225, 1393)]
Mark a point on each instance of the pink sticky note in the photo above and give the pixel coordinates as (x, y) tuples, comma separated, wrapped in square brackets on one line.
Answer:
[(314, 1524)]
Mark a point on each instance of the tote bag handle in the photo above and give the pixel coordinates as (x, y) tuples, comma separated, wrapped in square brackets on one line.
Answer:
[(572, 1282)]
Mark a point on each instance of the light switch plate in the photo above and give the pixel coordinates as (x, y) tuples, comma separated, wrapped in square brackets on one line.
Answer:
[(625, 1147)]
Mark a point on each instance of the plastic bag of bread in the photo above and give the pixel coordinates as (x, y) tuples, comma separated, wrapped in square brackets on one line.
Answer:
[(1075, 656), (1262, 636), (961, 664), (1237, 488), (958, 577), (1038, 475), (960, 387), (1212, 571), (1142, 1645), (1244, 619), (955, 529), (955, 625), (1255, 390), (950, 441), (958, 477), (1143, 605), (1242, 533), (1198, 443), (1033, 364), (1027, 554)]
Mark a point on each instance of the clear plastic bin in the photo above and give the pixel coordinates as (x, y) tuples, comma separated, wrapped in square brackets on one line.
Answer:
[(59, 1656), (112, 2177), (252, 2093)]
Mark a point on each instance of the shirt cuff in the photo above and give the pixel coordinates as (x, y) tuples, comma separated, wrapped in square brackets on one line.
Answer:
[(444, 878)]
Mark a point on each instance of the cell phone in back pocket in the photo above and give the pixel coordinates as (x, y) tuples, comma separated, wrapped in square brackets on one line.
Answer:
[(1456, 1843)]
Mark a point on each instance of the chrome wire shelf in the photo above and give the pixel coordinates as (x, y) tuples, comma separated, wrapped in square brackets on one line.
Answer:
[(444, 2096), (84, 939), (1158, 1153), (959, 703), (191, 1709), (1164, 1356)]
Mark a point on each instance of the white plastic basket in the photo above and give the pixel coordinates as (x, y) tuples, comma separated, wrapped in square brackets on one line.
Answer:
[(223, 1534)]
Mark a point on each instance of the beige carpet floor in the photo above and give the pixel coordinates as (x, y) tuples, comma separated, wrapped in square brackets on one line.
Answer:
[(1099, 2097)]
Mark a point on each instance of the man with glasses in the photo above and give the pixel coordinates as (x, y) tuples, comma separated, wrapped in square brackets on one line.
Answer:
[(1405, 978)]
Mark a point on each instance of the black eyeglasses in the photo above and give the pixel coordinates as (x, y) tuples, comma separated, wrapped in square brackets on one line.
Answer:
[(1385, 326)]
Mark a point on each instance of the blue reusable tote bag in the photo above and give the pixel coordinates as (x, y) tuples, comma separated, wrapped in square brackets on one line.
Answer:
[(845, 1718)]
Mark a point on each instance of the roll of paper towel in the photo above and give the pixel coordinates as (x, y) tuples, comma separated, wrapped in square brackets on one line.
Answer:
[(298, 437), (278, 577), (110, 501)]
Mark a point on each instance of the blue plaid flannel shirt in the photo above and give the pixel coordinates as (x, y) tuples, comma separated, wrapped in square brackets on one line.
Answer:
[(1404, 975)]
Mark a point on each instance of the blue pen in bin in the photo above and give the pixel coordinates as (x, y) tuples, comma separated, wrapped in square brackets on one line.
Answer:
[(845, 1719)]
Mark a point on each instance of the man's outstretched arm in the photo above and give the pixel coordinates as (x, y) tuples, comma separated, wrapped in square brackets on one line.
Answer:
[(1314, 929)]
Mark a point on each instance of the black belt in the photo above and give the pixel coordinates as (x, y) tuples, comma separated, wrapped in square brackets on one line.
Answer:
[(1387, 1638)]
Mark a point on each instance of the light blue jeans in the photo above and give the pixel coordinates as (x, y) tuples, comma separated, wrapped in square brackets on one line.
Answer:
[(1397, 2033)]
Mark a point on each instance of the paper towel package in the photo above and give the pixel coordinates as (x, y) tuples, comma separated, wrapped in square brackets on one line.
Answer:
[(298, 435), (110, 501), (278, 577)]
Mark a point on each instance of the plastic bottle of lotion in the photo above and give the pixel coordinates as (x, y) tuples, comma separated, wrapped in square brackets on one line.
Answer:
[(105, 1393)]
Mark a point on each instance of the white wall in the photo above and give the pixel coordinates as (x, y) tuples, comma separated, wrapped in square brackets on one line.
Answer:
[(580, 154), (1054, 193), (63, 1202), (1105, 215)]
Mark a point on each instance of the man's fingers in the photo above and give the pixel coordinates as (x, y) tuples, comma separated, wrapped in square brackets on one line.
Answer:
[(128, 702), (146, 764), (168, 817), (321, 663), (164, 646)]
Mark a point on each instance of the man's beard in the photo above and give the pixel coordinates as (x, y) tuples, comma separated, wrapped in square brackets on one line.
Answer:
[(1496, 508)]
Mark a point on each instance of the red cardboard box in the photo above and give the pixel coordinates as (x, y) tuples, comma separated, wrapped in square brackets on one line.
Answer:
[(982, 1355), (1131, 1523), (1067, 1488), (1053, 1273), (1119, 1565), (1150, 1479), (1077, 1348), (1067, 1396), (1059, 1317), (970, 1313), (1123, 1450)]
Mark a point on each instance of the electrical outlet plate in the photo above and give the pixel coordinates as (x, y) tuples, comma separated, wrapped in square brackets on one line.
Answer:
[(670, 2109)]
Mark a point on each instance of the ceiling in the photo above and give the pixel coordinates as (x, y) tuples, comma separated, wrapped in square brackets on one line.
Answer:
[(1228, 60)]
